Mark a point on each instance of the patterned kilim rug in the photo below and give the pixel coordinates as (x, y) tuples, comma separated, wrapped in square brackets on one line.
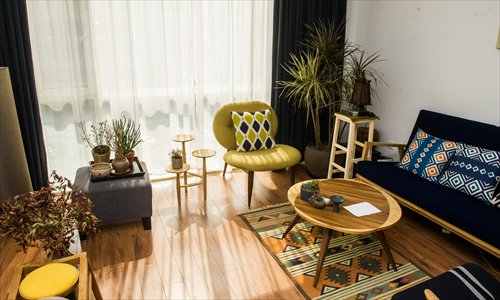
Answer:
[(355, 267)]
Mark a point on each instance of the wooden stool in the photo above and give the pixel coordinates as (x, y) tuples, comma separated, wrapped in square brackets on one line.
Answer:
[(352, 142), (85, 282), (183, 138), (184, 169), (203, 154)]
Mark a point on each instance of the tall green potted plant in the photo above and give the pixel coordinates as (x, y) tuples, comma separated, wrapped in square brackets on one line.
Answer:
[(316, 85)]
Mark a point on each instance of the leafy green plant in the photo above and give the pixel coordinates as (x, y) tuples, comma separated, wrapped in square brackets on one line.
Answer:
[(311, 186), (47, 218), (317, 75), (117, 139), (126, 136), (175, 153), (360, 66), (132, 135), (97, 136)]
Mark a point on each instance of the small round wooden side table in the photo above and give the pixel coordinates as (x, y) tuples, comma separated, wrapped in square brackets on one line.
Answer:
[(204, 154), (178, 172), (183, 138)]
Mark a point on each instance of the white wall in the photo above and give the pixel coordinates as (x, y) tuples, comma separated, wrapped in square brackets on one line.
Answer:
[(441, 56)]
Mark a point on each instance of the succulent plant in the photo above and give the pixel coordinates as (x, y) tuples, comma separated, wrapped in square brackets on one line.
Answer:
[(317, 201), (175, 153), (311, 186)]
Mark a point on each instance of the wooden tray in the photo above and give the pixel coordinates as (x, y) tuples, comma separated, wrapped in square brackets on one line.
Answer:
[(135, 171)]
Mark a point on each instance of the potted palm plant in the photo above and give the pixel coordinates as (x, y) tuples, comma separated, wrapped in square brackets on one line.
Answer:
[(97, 139), (48, 218), (316, 86)]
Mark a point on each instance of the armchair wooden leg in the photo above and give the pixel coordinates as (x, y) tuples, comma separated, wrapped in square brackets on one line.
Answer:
[(292, 175), (250, 187), (224, 171)]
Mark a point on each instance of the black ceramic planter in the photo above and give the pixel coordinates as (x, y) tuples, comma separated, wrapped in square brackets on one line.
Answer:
[(305, 195)]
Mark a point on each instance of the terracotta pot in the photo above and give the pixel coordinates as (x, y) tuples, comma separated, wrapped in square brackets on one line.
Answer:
[(101, 157), (120, 165), (317, 161), (130, 157), (176, 163)]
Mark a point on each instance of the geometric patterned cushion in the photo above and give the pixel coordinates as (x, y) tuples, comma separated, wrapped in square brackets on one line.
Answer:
[(427, 155), (474, 171), (495, 201), (253, 130)]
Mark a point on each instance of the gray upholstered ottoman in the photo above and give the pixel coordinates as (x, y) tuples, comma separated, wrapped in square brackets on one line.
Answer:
[(119, 200)]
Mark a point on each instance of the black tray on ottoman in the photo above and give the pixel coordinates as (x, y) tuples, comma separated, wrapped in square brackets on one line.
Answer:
[(135, 171)]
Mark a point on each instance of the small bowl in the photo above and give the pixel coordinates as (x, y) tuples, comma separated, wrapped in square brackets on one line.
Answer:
[(101, 169)]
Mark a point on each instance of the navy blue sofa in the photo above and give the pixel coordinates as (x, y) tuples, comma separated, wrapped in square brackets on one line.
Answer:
[(461, 214)]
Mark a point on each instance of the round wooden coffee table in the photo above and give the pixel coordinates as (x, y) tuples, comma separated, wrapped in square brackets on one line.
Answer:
[(353, 192)]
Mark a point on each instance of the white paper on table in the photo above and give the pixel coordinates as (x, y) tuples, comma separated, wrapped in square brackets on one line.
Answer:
[(362, 209)]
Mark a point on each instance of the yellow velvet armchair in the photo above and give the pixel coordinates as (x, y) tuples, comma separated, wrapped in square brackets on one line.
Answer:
[(277, 158)]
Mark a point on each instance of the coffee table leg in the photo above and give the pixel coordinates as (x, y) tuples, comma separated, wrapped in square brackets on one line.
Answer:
[(387, 249), (324, 247), (294, 221)]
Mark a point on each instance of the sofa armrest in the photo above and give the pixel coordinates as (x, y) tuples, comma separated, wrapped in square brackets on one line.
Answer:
[(367, 149)]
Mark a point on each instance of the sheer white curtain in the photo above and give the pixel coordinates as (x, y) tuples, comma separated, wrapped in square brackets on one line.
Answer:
[(166, 64)]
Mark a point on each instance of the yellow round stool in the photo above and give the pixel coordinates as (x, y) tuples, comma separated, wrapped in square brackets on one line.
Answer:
[(55, 279)]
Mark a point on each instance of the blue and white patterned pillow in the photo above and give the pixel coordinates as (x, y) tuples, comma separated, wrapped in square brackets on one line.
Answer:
[(427, 155), (496, 201), (474, 171)]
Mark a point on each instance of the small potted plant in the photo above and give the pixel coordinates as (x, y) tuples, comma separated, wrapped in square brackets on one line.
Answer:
[(317, 201), (48, 218), (132, 138), (117, 143), (97, 139), (176, 158), (309, 188)]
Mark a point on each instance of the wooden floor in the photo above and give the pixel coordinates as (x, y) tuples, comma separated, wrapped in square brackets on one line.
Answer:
[(206, 251)]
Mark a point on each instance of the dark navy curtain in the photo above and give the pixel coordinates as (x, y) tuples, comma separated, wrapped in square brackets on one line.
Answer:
[(15, 53), (290, 17)]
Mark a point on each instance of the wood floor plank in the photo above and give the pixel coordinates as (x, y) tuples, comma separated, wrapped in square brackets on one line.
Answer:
[(204, 249)]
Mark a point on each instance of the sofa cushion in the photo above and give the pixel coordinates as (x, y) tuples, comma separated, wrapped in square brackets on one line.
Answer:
[(253, 130), (427, 155), (474, 171), (450, 205)]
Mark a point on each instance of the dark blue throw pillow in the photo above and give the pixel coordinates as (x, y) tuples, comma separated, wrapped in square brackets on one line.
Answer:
[(427, 155), (474, 171)]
